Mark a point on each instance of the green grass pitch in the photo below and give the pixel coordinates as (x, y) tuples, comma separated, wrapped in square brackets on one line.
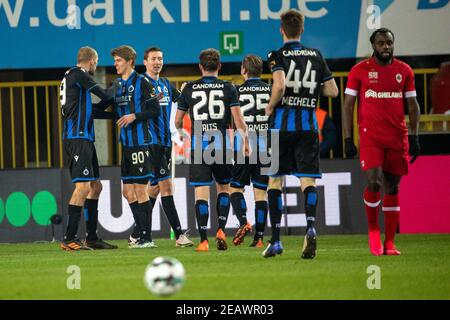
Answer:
[(39, 271)]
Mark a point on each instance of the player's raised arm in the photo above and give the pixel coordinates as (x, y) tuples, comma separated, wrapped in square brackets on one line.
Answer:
[(149, 104)]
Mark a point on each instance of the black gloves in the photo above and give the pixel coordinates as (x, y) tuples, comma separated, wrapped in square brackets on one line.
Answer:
[(414, 147), (350, 148)]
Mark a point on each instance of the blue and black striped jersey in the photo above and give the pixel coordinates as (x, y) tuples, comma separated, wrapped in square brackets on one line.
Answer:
[(160, 127), (76, 104), (208, 101), (132, 96), (306, 71), (254, 95)]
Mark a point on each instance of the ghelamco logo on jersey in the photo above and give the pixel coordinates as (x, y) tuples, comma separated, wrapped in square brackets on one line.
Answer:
[(384, 95)]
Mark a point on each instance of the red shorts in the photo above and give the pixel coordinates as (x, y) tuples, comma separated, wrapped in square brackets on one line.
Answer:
[(394, 161)]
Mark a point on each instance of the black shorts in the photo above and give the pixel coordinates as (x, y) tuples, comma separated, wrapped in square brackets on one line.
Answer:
[(136, 166), (161, 160), (82, 160), (204, 174), (298, 154), (243, 174)]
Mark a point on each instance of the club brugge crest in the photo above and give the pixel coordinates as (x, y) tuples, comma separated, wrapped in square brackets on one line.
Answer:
[(130, 89), (399, 77)]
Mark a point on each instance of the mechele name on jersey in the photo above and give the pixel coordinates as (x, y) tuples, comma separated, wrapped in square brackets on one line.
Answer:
[(208, 86), (299, 101), (302, 53), (254, 89), (384, 95)]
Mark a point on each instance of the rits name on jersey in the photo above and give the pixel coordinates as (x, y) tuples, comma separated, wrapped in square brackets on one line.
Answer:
[(299, 102), (299, 53), (254, 89), (200, 86), (209, 127)]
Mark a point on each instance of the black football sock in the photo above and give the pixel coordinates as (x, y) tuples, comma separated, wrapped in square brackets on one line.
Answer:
[(202, 214), (145, 218), (91, 218), (310, 206), (172, 214), (135, 210), (223, 209), (74, 220), (239, 207), (275, 209), (152, 202), (260, 218)]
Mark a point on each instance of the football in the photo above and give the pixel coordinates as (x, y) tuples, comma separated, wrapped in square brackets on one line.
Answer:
[(164, 276)]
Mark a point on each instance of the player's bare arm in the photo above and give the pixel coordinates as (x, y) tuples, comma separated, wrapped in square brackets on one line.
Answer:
[(278, 88), (240, 124), (329, 89), (414, 117), (347, 125), (414, 114)]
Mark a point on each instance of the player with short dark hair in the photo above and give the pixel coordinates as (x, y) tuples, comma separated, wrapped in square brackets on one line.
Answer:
[(211, 104), (161, 146), (300, 76), (78, 138), (254, 94), (134, 105), (382, 85)]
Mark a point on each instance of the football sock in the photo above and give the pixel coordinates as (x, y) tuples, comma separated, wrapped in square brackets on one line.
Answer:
[(239, 207), (310, 206), (202, 214), (275, 209), (260, 218), (74, 220), (391, 210), (223, 209), (91, 218), (171, 212), (145, 219), (135, 210), (371, 204)]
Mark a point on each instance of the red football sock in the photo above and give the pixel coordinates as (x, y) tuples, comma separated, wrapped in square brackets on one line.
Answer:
[(391, 210), (371, 204)]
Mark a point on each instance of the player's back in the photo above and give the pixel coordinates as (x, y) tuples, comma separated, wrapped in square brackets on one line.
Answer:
[(76, 104), (254, 95), (209, 100), (305, 70)]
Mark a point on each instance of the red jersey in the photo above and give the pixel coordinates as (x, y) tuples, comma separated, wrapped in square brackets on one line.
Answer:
[(381, 92)]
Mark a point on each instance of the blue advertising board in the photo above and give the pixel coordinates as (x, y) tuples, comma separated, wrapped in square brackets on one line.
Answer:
[(48, 33)]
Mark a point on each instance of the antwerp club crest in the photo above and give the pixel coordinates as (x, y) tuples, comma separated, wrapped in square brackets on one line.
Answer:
[(398, 77)]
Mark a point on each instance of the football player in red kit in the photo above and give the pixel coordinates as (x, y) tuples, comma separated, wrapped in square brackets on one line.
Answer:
[(382, 85)]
